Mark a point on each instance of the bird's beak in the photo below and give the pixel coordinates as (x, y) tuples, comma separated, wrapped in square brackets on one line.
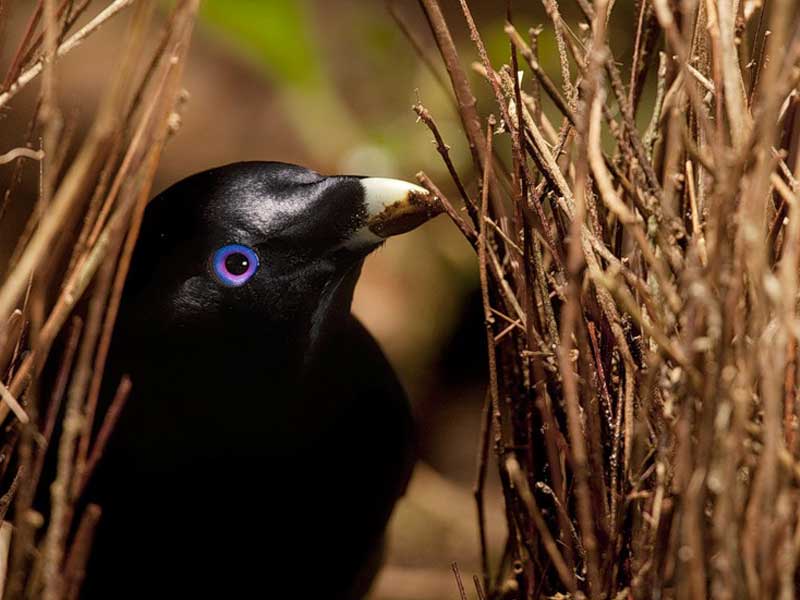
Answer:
[(394, 207)]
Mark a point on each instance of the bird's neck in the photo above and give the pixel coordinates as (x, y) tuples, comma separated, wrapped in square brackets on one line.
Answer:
[(332, 315)]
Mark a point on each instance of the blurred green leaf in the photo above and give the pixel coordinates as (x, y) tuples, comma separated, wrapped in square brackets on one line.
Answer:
[(276, 33)]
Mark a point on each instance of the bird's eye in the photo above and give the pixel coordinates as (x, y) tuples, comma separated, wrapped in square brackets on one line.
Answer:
[(233, 265)]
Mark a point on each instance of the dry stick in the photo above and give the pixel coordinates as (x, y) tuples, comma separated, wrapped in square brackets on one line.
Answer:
[(667, 22), (520, 482), (465, 99), (480, 484), (629, 305), (26, 48), (54, 540), (715, 67), (49, 115), (524, 188), (757, 57), (16, 174), (635, 140), (81, 276), (124, 263), (617, 266), (80, 248), (697, 231), (549, 167), (551, 8), (111, 314), (544, 405), (57, 531), (761, 507), (457, 573), (84, 475), (13, 331), (74, 41), (10, 494), (531, 146), (534, 33), (620, 209), (467, 230), (569, 317), (735, 99), (541, 75), (67, 25), (787, 273), (5, 548), (511, 244), (651, 133), (12, 404), (532, 272), (72, 292), (521, 188), (126, 73), (476, 39), (512, 126), (66, 200), (467, 109), (589, 242), (478, 588), (534, 107), (120, 179), (483, 245), (78, 557), (608, 406), (16, 153), (636, 52), (444, 150), (485, 252), (505, 289), (542, 159), (16, 62), (57, 397), (789, 400)]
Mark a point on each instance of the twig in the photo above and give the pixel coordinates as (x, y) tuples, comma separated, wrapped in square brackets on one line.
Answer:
[(84, 475), (466, 229), (444, 151), (16, 153), (78, 557), (483, 258), (73, 42), (465, 98), (521, 485), (457, 573), (5, 548), (12, 403), (478, 588), (480, 484)]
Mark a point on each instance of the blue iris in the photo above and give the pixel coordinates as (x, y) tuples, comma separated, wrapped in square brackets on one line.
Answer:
[(233, 265)]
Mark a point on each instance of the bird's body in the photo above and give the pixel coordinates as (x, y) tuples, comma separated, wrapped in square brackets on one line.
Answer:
[(267, 437)]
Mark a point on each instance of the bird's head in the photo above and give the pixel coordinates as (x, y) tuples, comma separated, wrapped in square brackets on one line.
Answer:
[(258, 246)]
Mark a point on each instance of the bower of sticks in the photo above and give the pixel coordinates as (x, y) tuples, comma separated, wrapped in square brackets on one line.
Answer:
[(640, 292), (638, 257)]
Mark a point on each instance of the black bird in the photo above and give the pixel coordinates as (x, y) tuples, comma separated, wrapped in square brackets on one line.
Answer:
[(267, 437)]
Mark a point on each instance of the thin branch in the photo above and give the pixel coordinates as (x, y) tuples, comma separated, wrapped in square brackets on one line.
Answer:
[(70, 44)]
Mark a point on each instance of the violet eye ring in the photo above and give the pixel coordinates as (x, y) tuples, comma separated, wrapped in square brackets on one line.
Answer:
[(233, 265)]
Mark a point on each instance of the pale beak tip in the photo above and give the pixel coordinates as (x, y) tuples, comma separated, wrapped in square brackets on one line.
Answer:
[(395, 206)]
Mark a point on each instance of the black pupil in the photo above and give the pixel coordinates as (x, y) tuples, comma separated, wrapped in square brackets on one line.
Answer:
[(237, 263)]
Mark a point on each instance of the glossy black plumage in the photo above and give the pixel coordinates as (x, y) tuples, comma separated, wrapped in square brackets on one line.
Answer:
[(267, 438)]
